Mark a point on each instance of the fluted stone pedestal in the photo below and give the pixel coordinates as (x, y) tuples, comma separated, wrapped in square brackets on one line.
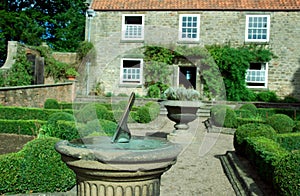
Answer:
[(119, 171)]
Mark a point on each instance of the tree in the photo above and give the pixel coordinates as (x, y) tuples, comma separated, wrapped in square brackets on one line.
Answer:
[(59, 23)]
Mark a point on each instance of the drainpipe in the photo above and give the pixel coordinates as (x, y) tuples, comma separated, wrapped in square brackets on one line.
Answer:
[(90, 13)]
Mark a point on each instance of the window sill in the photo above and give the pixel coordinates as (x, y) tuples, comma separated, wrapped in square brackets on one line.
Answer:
[(131, 41), (130, 85)]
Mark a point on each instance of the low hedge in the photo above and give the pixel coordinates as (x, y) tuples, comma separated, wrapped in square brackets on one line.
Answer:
[(223, 116), (289, 141), (51, 104), (97, 128), (23, 113), (281, 123), (287, 174), (24, 127), (36, 168), (249, 107), (251, 130), (93, 111), (297, 126), (243, 121), (264, 153)]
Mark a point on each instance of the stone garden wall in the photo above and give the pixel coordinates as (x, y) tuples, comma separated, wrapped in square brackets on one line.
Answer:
[(35, 95)]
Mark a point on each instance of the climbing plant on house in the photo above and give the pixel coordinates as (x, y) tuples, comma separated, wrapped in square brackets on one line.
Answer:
[(233, 63)]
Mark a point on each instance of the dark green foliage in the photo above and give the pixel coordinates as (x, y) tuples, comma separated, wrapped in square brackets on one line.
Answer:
[(98, 127), (264, 153), (289, 141), (156, 90), (251, 130), (267, 96), (281, 123), (287, 174), (290, 99), (223, 116), (144, 114), (244, 113), (233, 64), (250, 107), (36, 168), (20, 73), (93, 111), (51, 104), (23, 113), (297, 126), (24, 127), (242, 121), (53, 118)]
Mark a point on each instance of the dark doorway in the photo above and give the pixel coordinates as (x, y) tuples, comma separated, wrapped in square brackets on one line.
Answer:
[(187, 77)]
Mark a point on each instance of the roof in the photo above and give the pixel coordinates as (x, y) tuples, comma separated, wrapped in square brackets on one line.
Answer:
[(107, 5)]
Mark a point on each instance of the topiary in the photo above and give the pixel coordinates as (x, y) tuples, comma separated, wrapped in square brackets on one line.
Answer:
[(223, 116), (250, 107), (36, 168), (287, 174), (251, 130), (143, 114), (51, 104), (281, 123)]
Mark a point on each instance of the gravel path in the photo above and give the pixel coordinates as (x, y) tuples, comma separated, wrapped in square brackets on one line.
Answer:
[(197, 172)]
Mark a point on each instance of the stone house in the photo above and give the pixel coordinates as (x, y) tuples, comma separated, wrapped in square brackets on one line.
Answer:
[(119, 28)]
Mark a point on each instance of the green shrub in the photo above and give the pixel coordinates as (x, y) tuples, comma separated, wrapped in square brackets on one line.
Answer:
[(265, 112), (53, 118), (281, 123), (153, 91), (297, 126), (289, 141), (143, 114), (267, 96), (93, 111), (24, 127), (290, 99), (251, 130), (36, 168), (264, 153), (51, 104), (223, 116), (24, 113), (287, 174), (241, 113), (243, 121), (250, 107), (154, 109), (98, 127)]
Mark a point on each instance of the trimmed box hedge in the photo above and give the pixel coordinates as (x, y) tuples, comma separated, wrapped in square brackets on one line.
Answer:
[(23, 113), (36, 168), (24, 127), (289, 141), (264, 153)]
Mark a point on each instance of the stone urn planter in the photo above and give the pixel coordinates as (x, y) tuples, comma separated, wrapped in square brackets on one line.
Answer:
[(182, 112)]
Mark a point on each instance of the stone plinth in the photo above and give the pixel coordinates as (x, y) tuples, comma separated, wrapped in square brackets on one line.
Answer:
[(106, 169)]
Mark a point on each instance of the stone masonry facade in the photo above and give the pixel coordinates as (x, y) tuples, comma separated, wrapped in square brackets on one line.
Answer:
[(216, 27)]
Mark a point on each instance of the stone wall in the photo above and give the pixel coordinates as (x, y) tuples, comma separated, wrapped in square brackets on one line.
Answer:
[(36, 95), (216, 27)]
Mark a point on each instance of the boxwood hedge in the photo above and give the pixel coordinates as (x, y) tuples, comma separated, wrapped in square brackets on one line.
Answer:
[(36, 168), (281, 123), (24, 127), (289, 141)]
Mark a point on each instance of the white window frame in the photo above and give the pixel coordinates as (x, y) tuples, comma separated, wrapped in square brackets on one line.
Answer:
[(181, 27), (126, 80), (134, 27), (248, 28), (257, 76)]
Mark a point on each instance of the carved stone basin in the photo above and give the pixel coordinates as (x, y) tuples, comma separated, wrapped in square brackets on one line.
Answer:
[(105, 168), (121, 165)]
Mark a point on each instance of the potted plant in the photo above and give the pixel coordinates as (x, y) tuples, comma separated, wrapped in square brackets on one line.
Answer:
[(182, 105), (71, 73)]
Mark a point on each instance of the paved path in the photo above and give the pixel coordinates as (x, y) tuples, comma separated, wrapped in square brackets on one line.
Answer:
[(197, 172)]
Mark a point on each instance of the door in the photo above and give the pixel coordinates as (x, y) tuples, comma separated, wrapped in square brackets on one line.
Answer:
[(187, 77)]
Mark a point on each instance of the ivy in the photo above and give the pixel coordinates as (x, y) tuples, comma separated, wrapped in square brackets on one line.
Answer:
[(20, 73)]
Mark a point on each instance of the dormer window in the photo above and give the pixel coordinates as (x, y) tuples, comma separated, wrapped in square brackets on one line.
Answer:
[(133, 27)]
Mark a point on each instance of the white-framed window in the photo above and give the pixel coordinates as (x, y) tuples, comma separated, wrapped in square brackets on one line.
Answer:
[(131, 71), (189, 27), (257, 75), (133, 27), (257, 28)]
